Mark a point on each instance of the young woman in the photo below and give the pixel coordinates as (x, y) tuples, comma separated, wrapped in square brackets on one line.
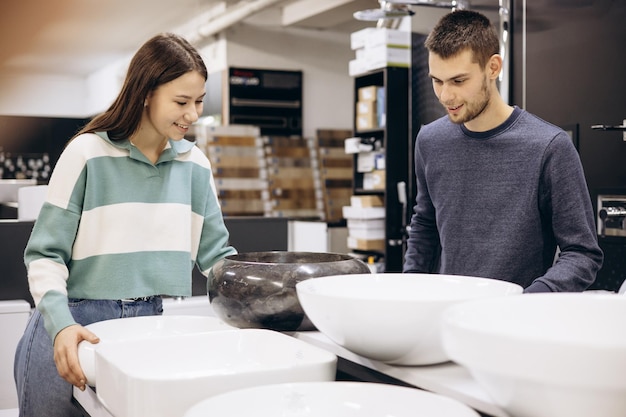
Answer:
[(131, 208)]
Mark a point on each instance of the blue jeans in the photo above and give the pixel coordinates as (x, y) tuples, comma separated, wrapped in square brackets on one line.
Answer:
[(41, 391)]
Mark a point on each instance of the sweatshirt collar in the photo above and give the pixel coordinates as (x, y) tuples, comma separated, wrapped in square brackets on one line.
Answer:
[(496, 130), (172, 148)]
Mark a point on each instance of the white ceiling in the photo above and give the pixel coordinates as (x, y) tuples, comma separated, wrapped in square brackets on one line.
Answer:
[(77, 37)]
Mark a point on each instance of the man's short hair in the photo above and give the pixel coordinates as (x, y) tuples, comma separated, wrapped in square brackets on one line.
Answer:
[(461, 30)]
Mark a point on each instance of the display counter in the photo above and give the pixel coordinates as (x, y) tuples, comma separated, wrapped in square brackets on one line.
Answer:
[(448, 379), (247, 234)]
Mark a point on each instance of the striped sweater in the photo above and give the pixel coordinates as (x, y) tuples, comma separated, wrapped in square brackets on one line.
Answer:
[(116, 226)]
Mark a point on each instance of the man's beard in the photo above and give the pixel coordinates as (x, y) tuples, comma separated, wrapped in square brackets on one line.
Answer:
[(474, 109)]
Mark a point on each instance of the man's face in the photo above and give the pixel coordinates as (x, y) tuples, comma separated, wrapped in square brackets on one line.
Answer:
[(461, 86)]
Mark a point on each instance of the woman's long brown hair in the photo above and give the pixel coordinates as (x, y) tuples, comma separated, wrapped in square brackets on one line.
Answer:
[(160, 60)]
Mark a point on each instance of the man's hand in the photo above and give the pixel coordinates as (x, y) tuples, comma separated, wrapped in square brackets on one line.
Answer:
[(66, 353)]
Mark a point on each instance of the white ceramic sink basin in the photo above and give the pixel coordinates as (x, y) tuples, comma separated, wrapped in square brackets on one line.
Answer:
[(133, 328), (330, 399), (165, 377), (394, 318), (544, 355)]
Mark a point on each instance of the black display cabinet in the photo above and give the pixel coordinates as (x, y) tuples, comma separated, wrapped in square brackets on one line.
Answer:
[(267, 98), (395, 137)]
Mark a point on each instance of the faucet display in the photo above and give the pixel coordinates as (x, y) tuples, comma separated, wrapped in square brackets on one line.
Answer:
[(611, 215)]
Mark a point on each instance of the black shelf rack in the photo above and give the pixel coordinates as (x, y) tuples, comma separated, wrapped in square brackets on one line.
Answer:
[(396, 140)]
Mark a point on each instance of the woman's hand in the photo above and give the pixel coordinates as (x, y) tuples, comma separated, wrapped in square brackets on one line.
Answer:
[(66, 353)]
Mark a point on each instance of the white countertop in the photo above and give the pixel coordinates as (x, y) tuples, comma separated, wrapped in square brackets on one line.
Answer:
[(448, 379)]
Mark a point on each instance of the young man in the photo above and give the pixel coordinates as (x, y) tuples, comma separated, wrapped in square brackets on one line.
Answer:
[(498, 189)]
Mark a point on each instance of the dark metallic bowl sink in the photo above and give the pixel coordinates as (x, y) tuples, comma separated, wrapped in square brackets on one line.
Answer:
[(257, 289)]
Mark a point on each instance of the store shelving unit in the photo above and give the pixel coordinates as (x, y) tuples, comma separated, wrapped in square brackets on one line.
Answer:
[(395, 138)]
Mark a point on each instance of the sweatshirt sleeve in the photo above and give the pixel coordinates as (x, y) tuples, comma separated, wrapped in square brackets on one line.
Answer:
[(214, 241), (49, 248), (566, 203), (214, 238), (423, 240)]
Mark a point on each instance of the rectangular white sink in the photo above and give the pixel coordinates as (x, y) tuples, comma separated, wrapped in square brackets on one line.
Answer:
[(165, 377), (141, 328)]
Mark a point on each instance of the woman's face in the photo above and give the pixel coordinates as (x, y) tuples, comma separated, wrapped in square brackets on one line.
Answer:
[(172, 107)]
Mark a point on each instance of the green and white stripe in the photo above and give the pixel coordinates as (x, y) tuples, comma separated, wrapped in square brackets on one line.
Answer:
[(115, 225)]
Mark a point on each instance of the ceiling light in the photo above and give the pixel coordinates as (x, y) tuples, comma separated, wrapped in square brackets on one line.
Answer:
[(394, 9), (453, 4), (387, 10)]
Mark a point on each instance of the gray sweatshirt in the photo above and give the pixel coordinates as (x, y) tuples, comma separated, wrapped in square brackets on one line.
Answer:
[(497, 204)]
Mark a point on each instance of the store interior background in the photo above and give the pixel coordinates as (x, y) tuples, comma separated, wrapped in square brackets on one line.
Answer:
[(568, 67)]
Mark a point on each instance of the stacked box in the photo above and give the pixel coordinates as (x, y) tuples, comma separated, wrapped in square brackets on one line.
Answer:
[(366, 223), (291, 180), (370, 108), (278, 176), (334, 172), (378, 48), (239, 168)]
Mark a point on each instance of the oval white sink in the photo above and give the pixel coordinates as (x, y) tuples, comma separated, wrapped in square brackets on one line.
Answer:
[(147, 327), (329, 399), (393, 318), (544, 355)]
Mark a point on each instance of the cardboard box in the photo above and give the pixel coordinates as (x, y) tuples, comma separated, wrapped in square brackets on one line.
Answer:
[(366, 229), (363, 213), (367, 107), (366, 234), (357, 39), (367, 201), (366, 162), (366, 244), (374, 180), (366, 121), (233, 130), (388, 37), (379, 161), (381, 110), (386, 56), (370, 105), (333, 134), (365, 223), (357, 67), (368, 93)]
